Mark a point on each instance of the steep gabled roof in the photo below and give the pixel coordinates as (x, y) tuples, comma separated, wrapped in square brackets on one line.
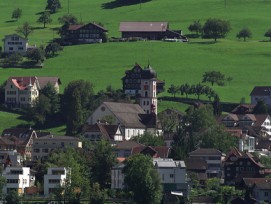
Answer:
[(76, 27), (243, 109), (18, 135), (143, 26), (205, 151)]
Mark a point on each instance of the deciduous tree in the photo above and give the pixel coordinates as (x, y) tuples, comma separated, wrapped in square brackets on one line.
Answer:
[(50, 92), (244, 33), (25, 30), (268, 34), (195, 27), (102, 161), (17, 13), (213, 77), (45, 18), (142, 179), (52, 49), (216, 28), (53, 5), (36, 54), (173, 90), (77, 100)]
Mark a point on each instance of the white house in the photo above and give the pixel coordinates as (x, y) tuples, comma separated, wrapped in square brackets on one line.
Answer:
[(261, 93), (23, 91), (54, 178), (15, 43), (18, 178)]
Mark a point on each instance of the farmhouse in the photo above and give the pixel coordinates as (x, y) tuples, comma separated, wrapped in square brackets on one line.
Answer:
[(23, 91), (15, 43), (148, 30), (261, 93), (88, 33), (131, 82)]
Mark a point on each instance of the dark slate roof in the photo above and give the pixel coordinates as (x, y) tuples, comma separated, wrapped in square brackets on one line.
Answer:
[(43, 81), (261, 91), (21, 135), (205, 151), (143, 26), (54, 137), (195, 164), (249, 182), (76, 27), (127, 145), (264, 186), (263, 144), (243, 109)]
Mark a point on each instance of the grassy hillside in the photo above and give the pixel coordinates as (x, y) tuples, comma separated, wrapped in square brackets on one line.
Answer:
[(176, 63)]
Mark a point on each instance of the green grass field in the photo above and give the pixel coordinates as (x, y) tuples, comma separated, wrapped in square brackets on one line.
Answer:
[(176, 63)]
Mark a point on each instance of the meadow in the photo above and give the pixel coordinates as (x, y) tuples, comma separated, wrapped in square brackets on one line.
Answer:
[(248, 63)]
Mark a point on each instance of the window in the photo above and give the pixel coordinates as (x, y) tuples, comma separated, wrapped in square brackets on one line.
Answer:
[(266, 194), (171, 176), (10, 48)]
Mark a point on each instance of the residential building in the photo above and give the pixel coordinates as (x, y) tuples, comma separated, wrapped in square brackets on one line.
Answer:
[(262, 192), (15, 43), (88, 33), (239, 165), (117, 177), (172, 174), (213, 158), (148, 30), (196, 167), (124, 149), (261, 93), (42, 146), (23, 91), (19, 139), (10, 158), (55, 177), (131, 118), (99, 131), (131, 82), (18, 178)]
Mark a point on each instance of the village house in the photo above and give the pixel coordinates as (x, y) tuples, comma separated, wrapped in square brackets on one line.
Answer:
[(131, 82), (55, 177), (23, 91), (239, 165), (213, 158), (262, 192), (88, 33), (15, 44), (18, 178), (19, 139), (99, 131), (172, 174), (42, 146), (261, 93), (148, 30)]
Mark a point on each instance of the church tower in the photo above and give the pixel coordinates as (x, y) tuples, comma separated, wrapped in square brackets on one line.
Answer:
[(148, 96)]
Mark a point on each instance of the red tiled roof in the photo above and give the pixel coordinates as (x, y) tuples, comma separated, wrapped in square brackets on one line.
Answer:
[(143, 26)]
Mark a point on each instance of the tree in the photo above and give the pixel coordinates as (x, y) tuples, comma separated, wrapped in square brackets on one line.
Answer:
[(198, 89), (52, 49), (216, 28), (66, 21), (12, 197), (173, 90), (244, 33), (3, 182), (53, 5), (14, 58), (217, 106), (25, 30), (185, 89), (17, 13), (102, 161), (213, 77), (149, 139), (195, 27), (97, 196), (268, 34), (142, 179), (50, 92), (44, 18), (36, 54), (261, 107), (76, 103)]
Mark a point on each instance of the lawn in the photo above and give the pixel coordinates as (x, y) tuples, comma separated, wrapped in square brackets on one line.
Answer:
[(248, 63), (10, 120)]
